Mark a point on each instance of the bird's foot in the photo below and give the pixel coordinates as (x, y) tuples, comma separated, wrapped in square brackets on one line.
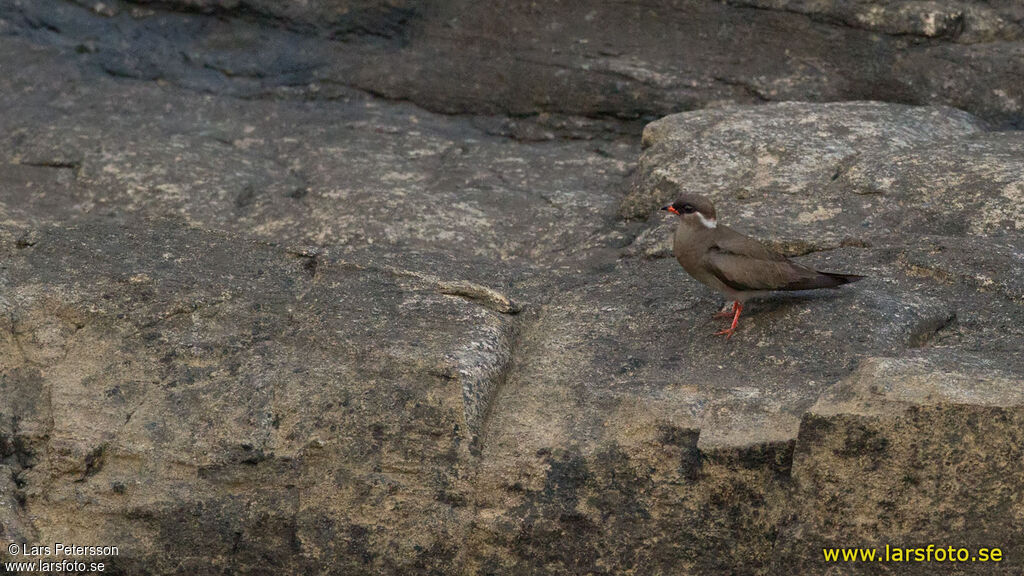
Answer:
[(728, 332), (737, 307)]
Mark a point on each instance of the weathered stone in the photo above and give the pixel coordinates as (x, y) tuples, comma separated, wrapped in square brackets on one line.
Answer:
[(249, 310), (970, 186), (909, 452), (565, 59), (964, 22), (780, 159), (242, 402), (677, 436), (627, 367), (354, 175)]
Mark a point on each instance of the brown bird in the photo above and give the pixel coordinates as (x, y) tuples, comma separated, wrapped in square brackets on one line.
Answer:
[(735, 265)]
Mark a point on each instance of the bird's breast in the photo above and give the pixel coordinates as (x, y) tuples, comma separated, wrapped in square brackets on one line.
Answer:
[(690, 247)]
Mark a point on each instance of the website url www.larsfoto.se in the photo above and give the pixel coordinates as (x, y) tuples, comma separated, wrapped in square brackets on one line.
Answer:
[(930, 553)]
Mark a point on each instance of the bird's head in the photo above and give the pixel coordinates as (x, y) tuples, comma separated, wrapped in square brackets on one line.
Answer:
[(694, 210)]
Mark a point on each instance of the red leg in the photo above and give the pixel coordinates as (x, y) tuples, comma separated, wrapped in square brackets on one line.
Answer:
[(723, 313), (738, 307)]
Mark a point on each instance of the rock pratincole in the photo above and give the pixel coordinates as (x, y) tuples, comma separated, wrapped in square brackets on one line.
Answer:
[(736, 265)]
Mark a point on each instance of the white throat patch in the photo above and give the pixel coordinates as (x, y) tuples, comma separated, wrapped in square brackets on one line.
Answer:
[(707, 222)]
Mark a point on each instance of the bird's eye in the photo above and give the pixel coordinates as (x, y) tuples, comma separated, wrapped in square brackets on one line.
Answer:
[(688, 209)]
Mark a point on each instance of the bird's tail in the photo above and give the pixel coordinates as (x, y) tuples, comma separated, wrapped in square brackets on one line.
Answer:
[(812, 279), (839, 279)]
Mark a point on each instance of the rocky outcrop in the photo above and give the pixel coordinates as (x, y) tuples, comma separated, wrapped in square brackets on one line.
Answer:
[(864, 418), (785, 154), (568, 66), (167, 388), (256, 320)]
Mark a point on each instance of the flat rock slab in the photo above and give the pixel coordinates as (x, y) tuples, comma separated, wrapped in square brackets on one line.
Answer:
[(644, 337), (354, 175)]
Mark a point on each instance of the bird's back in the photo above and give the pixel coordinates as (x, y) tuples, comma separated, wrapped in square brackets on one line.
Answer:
[(738, 265)]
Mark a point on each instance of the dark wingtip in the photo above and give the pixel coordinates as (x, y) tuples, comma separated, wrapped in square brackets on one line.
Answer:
[(844, 278)]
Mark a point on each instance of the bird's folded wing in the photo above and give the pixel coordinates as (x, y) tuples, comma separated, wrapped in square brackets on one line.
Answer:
[(731, 241), (750, 273)]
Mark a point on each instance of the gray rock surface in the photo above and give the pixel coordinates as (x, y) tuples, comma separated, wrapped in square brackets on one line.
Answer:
[(967, 22), (707, 443), (258, 320), (223, 395), (559, 61)]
